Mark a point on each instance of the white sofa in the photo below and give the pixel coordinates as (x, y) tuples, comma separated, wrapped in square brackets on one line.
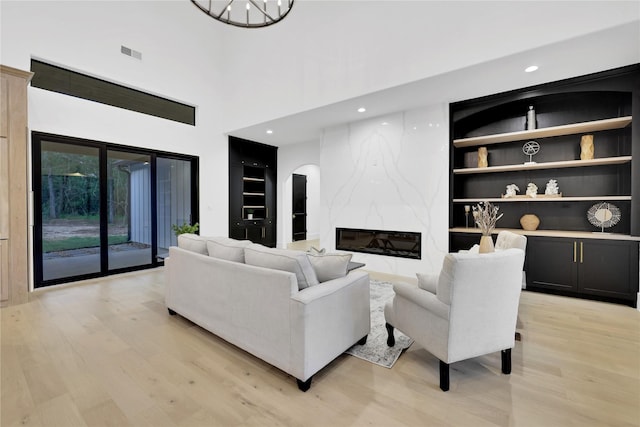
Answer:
[(286, 318)]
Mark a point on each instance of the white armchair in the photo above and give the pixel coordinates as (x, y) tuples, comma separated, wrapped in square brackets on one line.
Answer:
[(468, 310)]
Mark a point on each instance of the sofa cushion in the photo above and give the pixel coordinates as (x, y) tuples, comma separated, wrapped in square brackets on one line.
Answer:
[(228, 249), (330, 266), (281, 259), (193, 243)]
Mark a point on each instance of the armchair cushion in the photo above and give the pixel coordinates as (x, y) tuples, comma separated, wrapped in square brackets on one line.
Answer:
[(507, 239)]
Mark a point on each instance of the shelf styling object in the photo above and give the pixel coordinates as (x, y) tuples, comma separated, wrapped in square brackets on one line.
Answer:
[(552, 188), (511, 191), (603, 215), (529, 222), (530, 148), (531, 118), (483, 161), (586, 147), (486, 216), (467, 209), (532, 190)]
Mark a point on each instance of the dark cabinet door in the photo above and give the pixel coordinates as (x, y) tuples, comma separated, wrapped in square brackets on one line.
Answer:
[(552, 263), (608, 268)]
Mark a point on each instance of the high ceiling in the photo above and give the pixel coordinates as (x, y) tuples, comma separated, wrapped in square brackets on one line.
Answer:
[(588, 51)]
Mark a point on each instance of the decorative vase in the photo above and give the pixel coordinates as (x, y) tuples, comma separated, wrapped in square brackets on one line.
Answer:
[(529, 222), (486, 245), (482, 157), (586, 147)]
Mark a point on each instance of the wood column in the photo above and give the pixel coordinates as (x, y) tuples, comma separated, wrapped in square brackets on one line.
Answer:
[(14, 190)]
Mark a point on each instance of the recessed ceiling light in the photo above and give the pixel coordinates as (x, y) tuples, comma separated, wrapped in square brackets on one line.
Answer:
[(385, 124), (361, 110), (269, 131), (531, 69)]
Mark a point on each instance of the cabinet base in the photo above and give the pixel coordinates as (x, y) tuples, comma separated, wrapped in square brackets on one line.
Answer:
[(631, 302)]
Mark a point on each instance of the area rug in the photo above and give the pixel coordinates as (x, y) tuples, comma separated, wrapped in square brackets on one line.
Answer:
[(376, 349)]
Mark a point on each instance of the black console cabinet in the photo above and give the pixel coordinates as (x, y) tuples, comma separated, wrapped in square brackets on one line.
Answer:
[(252, 191), (595, 267)]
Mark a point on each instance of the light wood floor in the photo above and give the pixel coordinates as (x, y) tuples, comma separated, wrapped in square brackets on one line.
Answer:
[(106, 353)]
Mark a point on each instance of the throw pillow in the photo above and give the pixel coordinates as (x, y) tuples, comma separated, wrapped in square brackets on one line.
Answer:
[(280, 259), (315, 251), (330, 266), (227, 249), (193, 243)]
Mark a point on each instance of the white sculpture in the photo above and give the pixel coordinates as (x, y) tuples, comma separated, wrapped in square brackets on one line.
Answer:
[(552, 187), (532, 190), (511, 190)]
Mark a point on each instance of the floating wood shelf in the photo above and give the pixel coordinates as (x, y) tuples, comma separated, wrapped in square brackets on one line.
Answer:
[(572, 129), (553, 233), (546, 165), (542, 199)]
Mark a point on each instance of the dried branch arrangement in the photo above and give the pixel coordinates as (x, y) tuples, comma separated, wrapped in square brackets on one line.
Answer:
[(486, 215)]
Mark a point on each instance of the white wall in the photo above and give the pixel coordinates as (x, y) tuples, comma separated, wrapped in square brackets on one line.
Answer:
[(86, 37), (389, 173)]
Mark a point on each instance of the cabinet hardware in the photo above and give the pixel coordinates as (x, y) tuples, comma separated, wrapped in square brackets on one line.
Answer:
[(575, 251), (581, 251), (263, 232), (246, 234)]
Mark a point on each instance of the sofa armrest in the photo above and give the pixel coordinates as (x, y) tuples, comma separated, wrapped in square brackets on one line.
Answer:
[(312, 293), (327, 319), (424, 299)]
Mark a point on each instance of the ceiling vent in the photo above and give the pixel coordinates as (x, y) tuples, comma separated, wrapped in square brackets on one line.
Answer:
[(130, 52)]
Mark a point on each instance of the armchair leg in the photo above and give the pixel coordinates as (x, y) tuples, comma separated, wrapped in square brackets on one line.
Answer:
[(506, 361), (444, 376), (363, 340), (304, 385), (391, 340)]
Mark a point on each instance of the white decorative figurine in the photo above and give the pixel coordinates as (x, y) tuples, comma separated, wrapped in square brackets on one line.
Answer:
[(552, 188), (532, 190), (511, 190)]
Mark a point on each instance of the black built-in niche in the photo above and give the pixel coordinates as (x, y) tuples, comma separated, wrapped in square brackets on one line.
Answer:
[(252, 191), (606, 105)]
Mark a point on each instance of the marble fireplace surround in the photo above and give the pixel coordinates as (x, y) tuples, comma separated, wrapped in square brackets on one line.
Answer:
[(403, 244)]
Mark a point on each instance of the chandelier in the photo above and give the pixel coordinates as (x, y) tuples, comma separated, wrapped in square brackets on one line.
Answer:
[(246, 13)]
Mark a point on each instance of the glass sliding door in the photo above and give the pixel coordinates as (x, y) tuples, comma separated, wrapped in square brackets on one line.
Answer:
[(129, 227), (70, 210), (102, 208), (174, 201)]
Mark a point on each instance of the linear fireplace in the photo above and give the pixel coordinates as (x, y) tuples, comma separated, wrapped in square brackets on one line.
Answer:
[(380, 242)]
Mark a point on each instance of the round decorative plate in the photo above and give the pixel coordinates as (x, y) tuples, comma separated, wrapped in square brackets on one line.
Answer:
[(603, 215)]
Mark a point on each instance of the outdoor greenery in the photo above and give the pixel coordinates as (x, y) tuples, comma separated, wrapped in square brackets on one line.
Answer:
[(185, 228), (71, 186)]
